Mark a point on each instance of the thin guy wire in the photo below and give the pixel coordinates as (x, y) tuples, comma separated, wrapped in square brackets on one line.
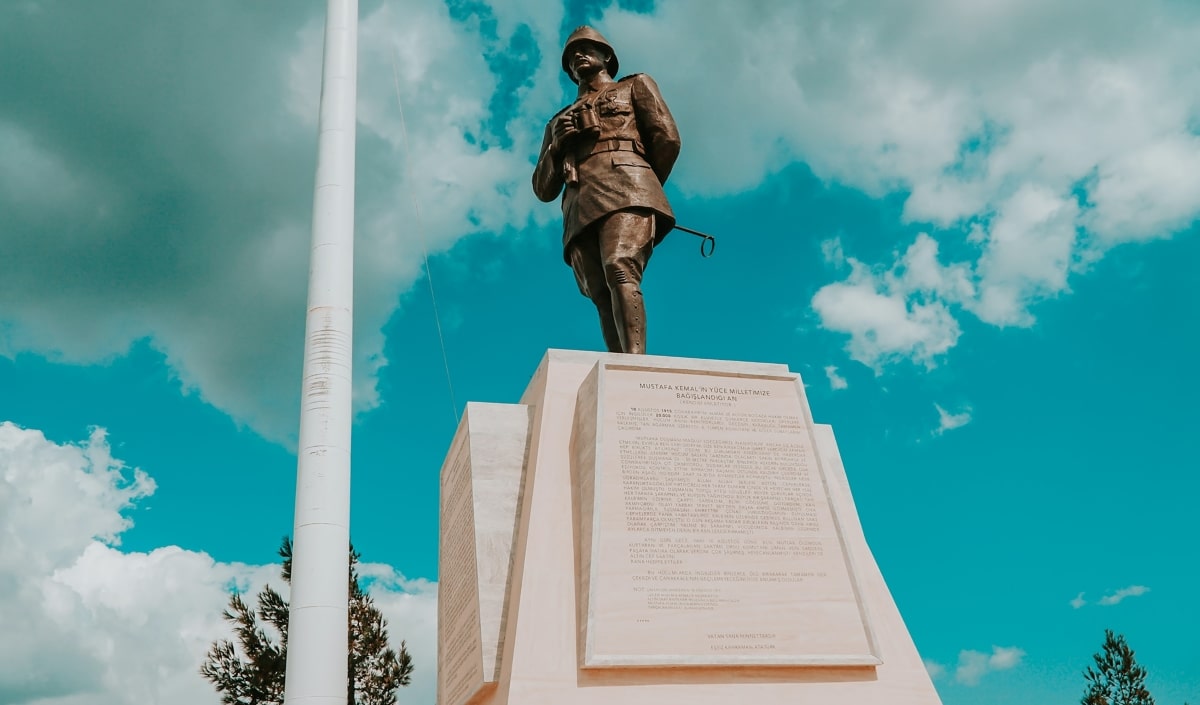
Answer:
[(437, 318)]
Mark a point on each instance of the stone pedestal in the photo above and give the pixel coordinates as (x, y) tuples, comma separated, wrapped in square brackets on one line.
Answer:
[(664, 531)]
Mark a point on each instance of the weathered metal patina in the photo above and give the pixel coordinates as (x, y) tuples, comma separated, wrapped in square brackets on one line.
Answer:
[(609, 154)]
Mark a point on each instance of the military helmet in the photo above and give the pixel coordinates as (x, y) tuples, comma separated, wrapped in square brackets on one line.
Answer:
[(586, 33)]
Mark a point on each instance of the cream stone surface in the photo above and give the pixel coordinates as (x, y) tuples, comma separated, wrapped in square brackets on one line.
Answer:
[(480, 491), (543, 647), (707, 536)]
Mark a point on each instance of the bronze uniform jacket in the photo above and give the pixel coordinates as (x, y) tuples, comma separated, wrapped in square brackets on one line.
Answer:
[(631, 110)]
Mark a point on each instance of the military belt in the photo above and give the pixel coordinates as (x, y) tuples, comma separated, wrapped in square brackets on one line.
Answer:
[(613, 146)]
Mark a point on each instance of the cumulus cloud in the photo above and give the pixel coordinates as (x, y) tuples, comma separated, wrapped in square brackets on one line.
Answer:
[(1112, 598), (1029, 252), (1119, 595), (101, 626), (935, 670), (160, 188), (1034, 138), (410, 607), (948, 421), (178, 211), (974, 665), (894, 314), (836, 381)]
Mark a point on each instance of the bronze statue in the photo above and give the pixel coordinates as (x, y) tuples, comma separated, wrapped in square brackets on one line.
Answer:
[(612, 149)]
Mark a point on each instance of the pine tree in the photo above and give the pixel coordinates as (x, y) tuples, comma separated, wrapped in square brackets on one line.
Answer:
[(1116, 678), (253, 674)]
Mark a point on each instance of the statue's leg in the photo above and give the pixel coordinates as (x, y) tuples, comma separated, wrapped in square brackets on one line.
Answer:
[(626, 242), (608, 320), (584, 256)]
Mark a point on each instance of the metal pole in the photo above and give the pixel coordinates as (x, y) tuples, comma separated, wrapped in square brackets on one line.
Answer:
[(317, 627)]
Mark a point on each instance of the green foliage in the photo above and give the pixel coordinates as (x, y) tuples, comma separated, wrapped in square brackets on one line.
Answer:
[(1116, 679), (254, 673)]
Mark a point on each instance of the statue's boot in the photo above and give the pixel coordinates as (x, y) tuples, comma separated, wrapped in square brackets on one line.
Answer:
[(629, 314), (608, 323)]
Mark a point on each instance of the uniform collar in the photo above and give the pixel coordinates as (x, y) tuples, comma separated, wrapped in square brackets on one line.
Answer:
[(587, 89)]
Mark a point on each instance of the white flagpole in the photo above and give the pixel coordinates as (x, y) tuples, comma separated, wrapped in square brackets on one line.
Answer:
[(318, 624)]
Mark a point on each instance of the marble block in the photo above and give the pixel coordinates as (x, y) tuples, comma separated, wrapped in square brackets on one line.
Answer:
[(684, 534), (480, 490)]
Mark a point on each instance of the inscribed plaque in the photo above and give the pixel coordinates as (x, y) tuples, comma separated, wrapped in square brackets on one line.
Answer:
[(707, 535), (460, 650), (480, 492)]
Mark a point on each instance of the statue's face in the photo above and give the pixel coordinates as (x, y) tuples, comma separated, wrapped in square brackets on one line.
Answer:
[(586, 59)]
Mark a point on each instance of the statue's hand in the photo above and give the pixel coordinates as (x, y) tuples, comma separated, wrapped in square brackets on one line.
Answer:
[(562, 131)]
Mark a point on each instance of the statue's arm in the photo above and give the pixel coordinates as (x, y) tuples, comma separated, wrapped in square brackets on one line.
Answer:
[(548, 175), (659, 133)]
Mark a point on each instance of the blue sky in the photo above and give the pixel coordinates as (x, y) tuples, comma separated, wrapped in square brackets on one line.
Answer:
[(971, 228)]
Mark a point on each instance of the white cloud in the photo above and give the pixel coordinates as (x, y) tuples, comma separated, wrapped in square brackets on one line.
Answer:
[(1026, 257), (410, 607), (1047, 140), (974, 665), (894, 314), (1119, 595), (39, 479), (1034, 94), (836, 381), (1028, 250), (1078, 601), (105, 627), (1148, 191), (935, 670), (948, 421), (31, 173), (198, 241)]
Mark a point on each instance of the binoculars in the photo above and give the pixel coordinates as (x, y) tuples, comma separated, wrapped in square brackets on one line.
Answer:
[(585, 120)]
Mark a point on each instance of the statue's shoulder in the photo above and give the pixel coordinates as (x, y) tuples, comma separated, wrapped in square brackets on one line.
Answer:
[(638, 83)]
